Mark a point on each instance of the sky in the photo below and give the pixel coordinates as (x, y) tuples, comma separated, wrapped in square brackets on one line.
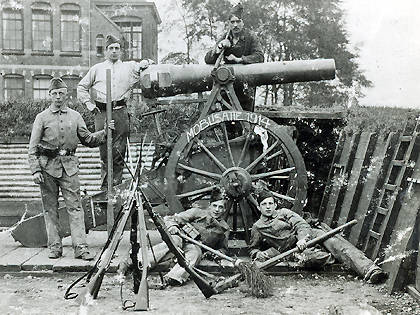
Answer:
[(387, 36)]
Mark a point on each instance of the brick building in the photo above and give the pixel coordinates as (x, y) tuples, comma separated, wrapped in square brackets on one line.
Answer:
[(42, 39)]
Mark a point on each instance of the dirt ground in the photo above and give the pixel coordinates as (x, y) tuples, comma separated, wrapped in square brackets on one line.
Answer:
[(306, 293)]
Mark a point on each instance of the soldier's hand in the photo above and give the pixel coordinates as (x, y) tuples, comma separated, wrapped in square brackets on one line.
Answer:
[(38, 178), (223, 44), (145, 63), (261, 256), (232, 57), (173, 229), (112, 125), (301, 244)]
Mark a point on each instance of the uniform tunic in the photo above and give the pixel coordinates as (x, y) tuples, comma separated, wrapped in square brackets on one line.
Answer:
[(249, 49), (281, 232), (213, 232), (58, 129)]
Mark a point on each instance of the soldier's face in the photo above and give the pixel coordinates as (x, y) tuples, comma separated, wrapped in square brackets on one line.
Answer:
[(217, 208), (268, 206), (58, 96), (113, 52), (236, 25)]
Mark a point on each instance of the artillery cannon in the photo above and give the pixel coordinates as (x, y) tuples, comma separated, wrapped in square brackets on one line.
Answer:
[(239, 150)]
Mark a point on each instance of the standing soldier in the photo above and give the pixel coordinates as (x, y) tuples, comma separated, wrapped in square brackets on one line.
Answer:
[(54, 166), (91, 91), (239, 46)]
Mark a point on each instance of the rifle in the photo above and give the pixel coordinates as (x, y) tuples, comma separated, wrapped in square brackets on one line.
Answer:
[(142, 301), (205, 288), (274, 260), (92, 288)]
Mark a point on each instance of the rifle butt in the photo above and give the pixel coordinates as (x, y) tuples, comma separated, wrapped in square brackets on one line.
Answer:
[(91, 291), (142, 298)]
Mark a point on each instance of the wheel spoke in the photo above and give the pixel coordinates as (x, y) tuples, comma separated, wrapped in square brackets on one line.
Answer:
[(269, 174), (196, 192), (245, 147), (291, 199), (246, 217), (200, 172), (279, 152), (226, 139), (262, 155), (211, 155)]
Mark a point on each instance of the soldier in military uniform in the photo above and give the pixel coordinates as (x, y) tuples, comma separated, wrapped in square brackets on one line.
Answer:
[(239, 46), (54, 139)]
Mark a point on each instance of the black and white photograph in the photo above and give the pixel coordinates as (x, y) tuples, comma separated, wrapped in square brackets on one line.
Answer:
[(210, 157)]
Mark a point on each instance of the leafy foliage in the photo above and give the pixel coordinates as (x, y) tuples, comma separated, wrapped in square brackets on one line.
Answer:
[(288, 30)]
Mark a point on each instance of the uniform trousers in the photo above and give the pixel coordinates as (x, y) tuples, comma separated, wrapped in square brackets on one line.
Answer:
[(70, 190), (119, 144)]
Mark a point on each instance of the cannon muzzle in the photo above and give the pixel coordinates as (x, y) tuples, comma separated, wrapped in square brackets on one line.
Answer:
[(169, 80)]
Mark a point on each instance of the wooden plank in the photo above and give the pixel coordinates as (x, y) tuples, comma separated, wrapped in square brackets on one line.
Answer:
[(345, 181), (337, 179), (392, 140), (387, 228), (366, 193), (13, 260), (328, 188), (402, 232), (354, 177)]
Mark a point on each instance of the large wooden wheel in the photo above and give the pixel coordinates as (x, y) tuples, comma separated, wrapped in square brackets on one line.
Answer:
[(242, 152)]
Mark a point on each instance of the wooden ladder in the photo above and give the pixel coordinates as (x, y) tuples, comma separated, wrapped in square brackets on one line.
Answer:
[(400, 168)]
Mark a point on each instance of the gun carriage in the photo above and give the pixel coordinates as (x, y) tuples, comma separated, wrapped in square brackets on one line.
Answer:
[(238, 150)]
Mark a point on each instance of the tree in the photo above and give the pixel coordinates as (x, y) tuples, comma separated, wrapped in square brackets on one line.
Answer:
[(295, 30), (288, 30)]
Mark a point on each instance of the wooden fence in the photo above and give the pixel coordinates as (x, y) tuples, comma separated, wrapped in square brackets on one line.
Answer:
[(375, 179), (18, 193)]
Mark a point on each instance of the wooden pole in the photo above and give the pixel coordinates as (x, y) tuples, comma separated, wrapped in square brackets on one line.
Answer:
[(110, 175)]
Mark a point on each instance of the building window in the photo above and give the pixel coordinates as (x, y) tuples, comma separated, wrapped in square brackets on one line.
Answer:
[(133, 30), (41, 27), (71, 81), (70, 28), (100, 45), (14, 87), (41, 83), (12, 28)]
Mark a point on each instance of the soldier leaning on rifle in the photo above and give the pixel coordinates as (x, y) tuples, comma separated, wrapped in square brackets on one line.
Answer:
[(240, 47), (279, 230), (54, 166), (207, 226), (91, 91)]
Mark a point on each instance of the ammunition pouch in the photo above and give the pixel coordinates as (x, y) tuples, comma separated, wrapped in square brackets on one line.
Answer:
[(191, 231), (53, 153)]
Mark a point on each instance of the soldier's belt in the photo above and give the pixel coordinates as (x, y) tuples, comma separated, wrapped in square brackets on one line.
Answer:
[(53, 153)]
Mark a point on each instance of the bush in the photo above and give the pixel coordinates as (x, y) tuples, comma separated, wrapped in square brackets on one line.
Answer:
[(17, 117)]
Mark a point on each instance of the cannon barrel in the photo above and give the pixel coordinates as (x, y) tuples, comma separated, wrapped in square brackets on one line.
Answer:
[(169, 80)]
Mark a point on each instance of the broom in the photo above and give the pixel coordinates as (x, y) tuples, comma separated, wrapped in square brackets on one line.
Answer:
[(259, 284)]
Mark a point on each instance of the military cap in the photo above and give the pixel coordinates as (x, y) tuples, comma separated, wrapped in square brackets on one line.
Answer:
[(217, 194), (57, 83), (238, 11), (264, 194), (111, 39)]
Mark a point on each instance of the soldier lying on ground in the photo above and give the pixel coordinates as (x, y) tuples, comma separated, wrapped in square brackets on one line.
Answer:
[(206, 225), (279, 230)]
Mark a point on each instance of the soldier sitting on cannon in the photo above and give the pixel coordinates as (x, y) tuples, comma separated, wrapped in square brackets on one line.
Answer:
[(239, 46)]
